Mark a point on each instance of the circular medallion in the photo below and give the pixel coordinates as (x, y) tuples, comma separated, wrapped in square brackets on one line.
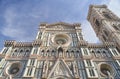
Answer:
[(61, 39), (13, 68), (106, 69)]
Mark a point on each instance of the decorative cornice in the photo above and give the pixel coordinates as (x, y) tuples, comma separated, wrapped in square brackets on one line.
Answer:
[(9, 43), (96, 6), (23, 44), (60, 23), (101, 45), (36, 42)]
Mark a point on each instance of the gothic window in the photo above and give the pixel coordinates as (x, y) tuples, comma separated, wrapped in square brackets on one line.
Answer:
[(26, 52), (89, 63), (93, 53), (85, 51), (20, 53), (105, 53), (77, 54), (2, 63), (97, 22), (115, 27), (105, 32), (104, 38), (5, 51), (35, 50), (53, 53), (48, 52), (114, 51), (32, 62), (106, 15), (67, 53), (42, 52), (15, 50), (97, 53), (91, 72), (29, 72)]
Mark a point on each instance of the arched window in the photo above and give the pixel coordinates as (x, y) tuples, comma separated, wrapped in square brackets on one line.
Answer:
[(53, 52), (27, 51), (15, 50), (72, 51), (106, 33), (98, 51), (42, 52), (115, 27), (104, 38), (48, 51), (21, 51), (97, 22), (106, 15)]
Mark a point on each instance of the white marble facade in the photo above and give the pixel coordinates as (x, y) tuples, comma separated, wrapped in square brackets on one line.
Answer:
[(60, 52)]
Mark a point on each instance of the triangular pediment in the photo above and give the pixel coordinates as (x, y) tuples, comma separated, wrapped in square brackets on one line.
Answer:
[(60, 70)]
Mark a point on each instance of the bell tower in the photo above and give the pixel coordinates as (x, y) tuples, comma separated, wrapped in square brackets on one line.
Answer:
[(105, 23)]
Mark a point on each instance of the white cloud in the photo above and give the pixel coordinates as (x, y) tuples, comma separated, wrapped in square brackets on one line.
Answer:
[(113, 5), (12, 27)]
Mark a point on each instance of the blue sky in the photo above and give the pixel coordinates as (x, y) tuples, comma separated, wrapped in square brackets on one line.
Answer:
[(19, 19)]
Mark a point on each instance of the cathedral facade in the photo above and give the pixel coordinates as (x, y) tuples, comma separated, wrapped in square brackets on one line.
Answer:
[(60, 52)]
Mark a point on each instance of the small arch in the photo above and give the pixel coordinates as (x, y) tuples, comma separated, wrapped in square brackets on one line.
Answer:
[(42, 51), (72, 51), (98, 51), (104, 51), (15, 50), (115, 27), (21, 50), (104, 38), (67, 51), (60, 49), (97, 22), (48, 51), (77, 51), (53, 51), (27, 50), (105, 32)]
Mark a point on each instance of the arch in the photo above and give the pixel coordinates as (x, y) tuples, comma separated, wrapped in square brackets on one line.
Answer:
[(106, 15), (16, 50), (48, 50), (97, 22), (106, 69), (42, 51), (27, 50), (21, 50), (104, 38), (105, 32), (115, 27), (60, 49), (14, 68)]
